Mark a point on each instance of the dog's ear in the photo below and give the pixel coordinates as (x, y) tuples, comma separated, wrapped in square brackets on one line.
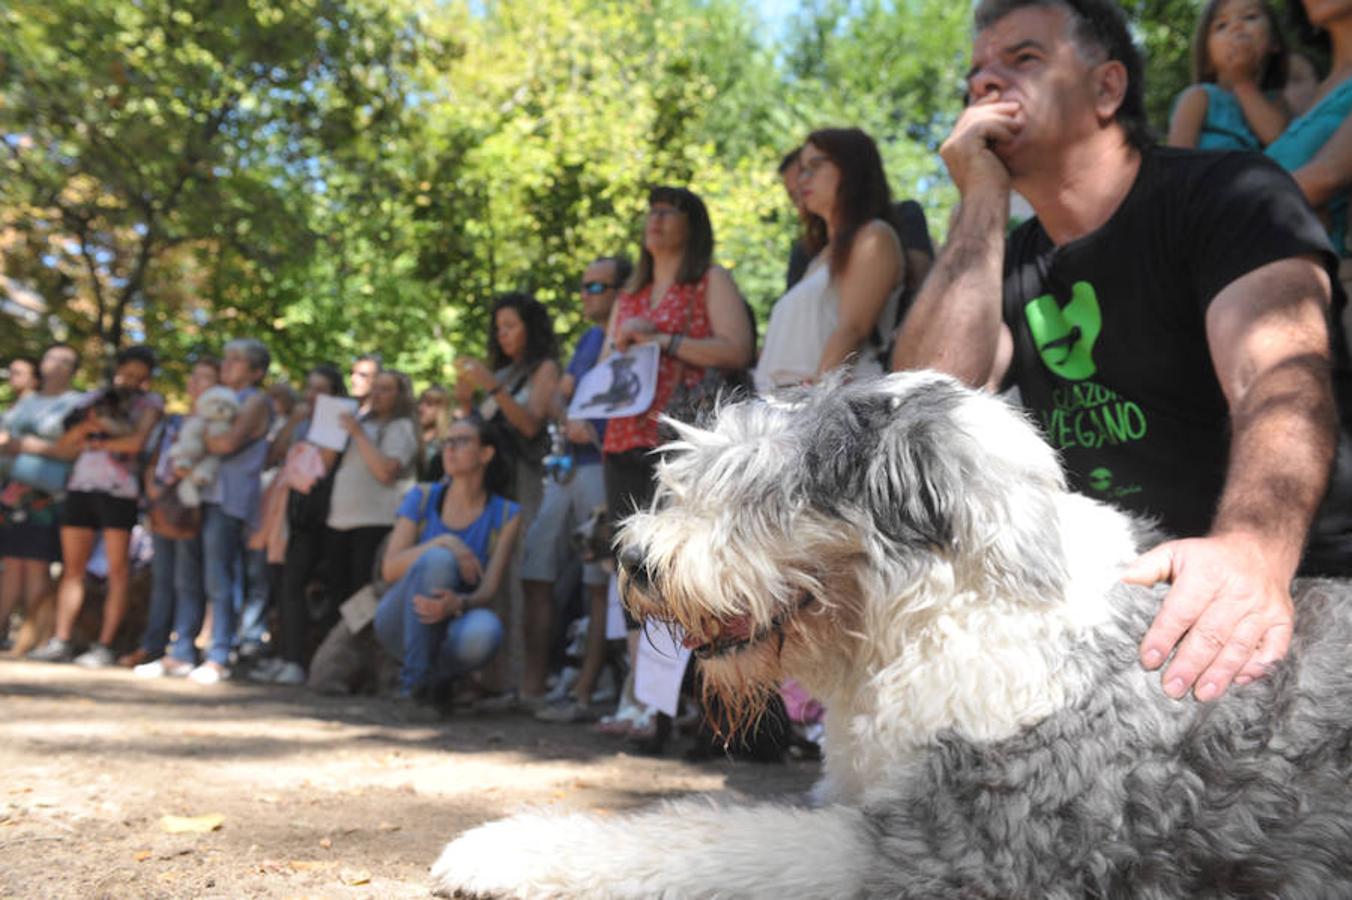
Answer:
[(863, 451), (940, 468)]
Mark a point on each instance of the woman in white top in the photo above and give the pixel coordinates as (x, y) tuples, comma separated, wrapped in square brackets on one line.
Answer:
[(842, 312), (376, 470)]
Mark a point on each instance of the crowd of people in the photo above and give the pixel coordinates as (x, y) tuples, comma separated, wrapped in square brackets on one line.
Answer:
[(436, 539)]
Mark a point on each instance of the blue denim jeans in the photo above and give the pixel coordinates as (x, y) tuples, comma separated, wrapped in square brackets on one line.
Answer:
[(443, 650), (177, 598), (251, 597), (222, 544)]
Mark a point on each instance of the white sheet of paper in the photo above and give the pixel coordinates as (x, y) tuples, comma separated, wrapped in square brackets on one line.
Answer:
[(622, 385), (324, 428), (615, 627), (660, 667)]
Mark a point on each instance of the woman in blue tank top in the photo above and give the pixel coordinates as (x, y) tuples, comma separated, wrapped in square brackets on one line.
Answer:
[(448, 553), (1317, 147)]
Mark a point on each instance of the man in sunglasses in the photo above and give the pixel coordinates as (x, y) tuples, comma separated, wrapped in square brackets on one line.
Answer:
[(567, 504)]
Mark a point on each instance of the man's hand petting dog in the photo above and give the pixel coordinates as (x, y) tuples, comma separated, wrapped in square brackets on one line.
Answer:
[(1227, 613)]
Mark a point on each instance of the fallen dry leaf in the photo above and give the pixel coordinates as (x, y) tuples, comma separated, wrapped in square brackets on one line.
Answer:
[(192, 824), (387, 826), (355, 879), (304, 865), (142, 855)]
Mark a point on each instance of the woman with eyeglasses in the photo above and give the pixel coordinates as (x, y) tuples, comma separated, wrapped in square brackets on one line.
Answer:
[(446, 559), (691, 309), (843, 310)]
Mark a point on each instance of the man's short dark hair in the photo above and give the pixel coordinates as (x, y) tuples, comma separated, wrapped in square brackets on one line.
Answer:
[(1094, 25), (371, 357), (623, 267), (211, 362), (789, 159), (139, 353)]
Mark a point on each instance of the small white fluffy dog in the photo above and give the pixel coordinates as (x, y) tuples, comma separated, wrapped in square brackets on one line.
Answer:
[(907, 549), (213, 414)]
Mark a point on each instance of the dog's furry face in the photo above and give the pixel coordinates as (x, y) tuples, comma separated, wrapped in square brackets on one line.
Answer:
[(111, 408), (217, 404), (775, 534)]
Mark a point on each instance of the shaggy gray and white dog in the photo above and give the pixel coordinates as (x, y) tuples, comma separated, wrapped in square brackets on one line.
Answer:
[(907, 549)]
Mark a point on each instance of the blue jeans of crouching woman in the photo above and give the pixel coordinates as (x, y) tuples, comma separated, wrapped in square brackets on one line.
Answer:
[(442, 650)]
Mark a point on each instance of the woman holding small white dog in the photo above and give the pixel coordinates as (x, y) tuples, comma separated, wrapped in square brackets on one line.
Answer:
[(842, 311), (230, 508), (446, 559)]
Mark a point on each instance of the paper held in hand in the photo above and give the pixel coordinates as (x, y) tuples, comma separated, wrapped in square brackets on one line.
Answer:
[(623, 384), (325, 429), (660, 667)]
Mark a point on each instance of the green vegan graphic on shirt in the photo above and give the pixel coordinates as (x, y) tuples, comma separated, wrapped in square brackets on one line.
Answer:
[(1101, 479), (1065, 336)]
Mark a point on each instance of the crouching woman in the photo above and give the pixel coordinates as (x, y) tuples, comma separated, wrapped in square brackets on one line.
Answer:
[(448, 553)]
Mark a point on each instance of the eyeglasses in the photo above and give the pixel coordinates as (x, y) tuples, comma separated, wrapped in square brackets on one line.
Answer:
[(596, 287), (455, 442), (807, 168)]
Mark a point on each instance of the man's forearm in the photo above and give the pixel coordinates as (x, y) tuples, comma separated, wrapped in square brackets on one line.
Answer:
[(954, 324), (1283, 438)]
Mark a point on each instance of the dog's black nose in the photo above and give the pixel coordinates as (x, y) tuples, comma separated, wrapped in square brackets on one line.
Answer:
[(635, 568)]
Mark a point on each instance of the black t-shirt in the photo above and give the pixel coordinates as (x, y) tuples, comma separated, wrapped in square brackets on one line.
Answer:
[(1110, 344), (912, 227)]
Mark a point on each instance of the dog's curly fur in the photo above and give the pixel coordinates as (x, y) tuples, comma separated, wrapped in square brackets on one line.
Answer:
[(213, 414), (907, 549)]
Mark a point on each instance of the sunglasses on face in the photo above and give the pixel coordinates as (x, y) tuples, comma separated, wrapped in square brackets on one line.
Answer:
[(595, 287)]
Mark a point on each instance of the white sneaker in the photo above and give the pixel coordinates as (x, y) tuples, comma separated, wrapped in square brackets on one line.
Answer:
[(277, 671), (265, 670), (209, 673), (607, 691), (164, 667), (290, 673), (562, 684)]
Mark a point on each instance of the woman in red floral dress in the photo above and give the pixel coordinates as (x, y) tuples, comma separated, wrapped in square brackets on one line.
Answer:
[(678, 299)]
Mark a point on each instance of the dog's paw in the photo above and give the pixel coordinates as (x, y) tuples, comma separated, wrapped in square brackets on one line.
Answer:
[(484, 862)]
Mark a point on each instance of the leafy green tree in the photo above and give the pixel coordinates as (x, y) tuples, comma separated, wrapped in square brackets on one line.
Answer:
[(161, 144)]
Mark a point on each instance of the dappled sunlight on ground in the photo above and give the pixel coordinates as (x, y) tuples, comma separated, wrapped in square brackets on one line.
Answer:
[(317, 796)]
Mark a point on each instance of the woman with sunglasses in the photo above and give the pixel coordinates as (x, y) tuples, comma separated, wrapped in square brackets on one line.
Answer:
[(843, 310), (679, 300), (447, 557)]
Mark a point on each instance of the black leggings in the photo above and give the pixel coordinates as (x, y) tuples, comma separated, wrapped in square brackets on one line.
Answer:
[(351, 555), (631, 481), (304, 551)]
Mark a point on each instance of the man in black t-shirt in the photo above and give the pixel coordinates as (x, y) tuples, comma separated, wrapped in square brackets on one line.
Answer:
[(1164, 316)]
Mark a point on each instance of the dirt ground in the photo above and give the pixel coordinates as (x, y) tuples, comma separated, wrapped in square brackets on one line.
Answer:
[(316, 796)]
